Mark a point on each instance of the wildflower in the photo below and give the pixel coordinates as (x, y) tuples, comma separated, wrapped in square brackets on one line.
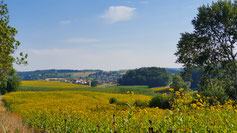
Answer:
[(145, 111), (229, 106), (177, 93), (194, 105), (200, 104), (198, 95), (127, 92), (181, 89), (164, 94), (171, 89), (201, 101), (165, 121)]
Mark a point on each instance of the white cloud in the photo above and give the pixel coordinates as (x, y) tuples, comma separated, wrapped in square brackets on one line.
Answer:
[(118, 13), (65, 22), (82, 40)]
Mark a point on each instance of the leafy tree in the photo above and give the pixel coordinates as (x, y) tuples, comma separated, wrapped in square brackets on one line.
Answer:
[(94, 83), (8, 46), (179, 83), (152, 76), (10, 84), (212, 44), (193, 77), (161, 101)]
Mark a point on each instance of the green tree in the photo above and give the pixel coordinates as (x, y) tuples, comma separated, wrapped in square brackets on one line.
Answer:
[(151, 76), (212, 44), (8, 46), (179, 83), (94, 83)]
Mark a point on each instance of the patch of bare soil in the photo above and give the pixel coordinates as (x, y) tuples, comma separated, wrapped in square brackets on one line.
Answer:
[(11, 122)]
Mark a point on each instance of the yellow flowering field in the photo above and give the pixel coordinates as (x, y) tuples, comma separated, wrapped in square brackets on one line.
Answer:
[(51, 84), (160, 88), (75, 111), (81, 111)]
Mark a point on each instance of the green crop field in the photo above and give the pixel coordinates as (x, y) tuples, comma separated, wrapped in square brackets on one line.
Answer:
[(58, 86)]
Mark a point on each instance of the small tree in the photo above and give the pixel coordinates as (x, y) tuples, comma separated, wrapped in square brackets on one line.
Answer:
[(94, 83), (8, 46), (179, 83), (160, 101)]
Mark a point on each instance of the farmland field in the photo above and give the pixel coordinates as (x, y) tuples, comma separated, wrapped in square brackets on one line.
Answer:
[(73, 111), (86, 111), (58, 86)]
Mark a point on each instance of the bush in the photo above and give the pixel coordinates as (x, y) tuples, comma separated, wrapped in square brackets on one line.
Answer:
[(216, 92), (112, 100), (94, 83), (10, 84), (160, 101), (178, 83)]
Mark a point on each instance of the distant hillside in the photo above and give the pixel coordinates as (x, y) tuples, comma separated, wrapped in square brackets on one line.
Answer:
[(53, 73), (174, 70), (103, 76)]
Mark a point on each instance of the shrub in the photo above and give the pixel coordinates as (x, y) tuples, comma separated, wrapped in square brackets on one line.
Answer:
[(94, 83), (160, 101), (10, 84), (112, 100), (216, 92), (178, 83)]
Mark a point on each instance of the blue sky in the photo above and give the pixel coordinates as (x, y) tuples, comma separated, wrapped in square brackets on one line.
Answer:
[(101, 34)]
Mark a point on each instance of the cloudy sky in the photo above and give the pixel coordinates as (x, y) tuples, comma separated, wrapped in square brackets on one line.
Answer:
[(101, 34)]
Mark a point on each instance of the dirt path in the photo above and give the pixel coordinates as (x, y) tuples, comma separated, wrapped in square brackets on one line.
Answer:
[(11, 122)]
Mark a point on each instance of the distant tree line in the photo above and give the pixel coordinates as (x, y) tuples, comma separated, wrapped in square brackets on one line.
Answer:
[(52, 73), (151, 76)]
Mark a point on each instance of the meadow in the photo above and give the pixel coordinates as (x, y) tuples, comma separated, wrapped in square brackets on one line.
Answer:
[(85, 111)]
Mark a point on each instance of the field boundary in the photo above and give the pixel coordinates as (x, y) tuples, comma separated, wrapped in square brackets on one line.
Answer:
[(11, 122)]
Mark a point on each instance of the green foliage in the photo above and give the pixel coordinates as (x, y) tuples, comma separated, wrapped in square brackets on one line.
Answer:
[(215, 90), (160, 101), (111, 89), (193, 76), (178, 83), (53, 73), (94, 83), (8, 46), (112, 100), (9, 84), (211, 45), (153, 77)]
